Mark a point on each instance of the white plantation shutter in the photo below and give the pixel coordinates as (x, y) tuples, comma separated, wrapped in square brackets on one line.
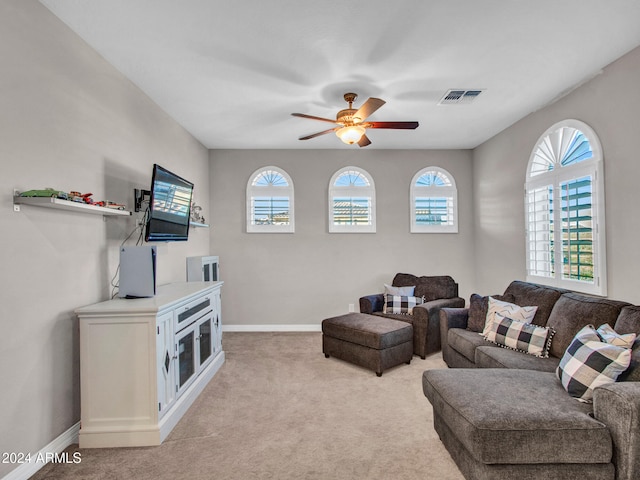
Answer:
[(564, 206), (540, 233)]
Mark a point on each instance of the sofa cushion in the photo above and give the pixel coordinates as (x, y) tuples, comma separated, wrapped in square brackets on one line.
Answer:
[(573, 311), (507, 309), (523, 337), (589, 363), (632, 374), (492, 357), (478, 306), (431, 288), (629, 322), (544, 297), (465, 342), (526, 417)]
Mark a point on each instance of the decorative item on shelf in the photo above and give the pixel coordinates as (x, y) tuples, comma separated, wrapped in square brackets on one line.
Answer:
[(75, 196), (86, 198), (114, 205), (196, 216), (45, 192)]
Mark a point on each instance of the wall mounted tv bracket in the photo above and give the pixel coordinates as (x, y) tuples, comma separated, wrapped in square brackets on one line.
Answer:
[(140, 197)]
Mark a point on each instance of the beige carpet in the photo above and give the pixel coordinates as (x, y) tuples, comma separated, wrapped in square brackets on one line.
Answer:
[(278, 409)]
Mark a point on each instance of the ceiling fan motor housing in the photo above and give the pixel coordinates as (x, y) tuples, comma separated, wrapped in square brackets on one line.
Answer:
[(346, 116)]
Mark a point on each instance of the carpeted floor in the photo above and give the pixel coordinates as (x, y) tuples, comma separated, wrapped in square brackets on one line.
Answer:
[(278, 409)]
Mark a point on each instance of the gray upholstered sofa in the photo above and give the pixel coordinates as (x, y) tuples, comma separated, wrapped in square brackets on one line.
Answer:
[(438, 292), (505, 414)]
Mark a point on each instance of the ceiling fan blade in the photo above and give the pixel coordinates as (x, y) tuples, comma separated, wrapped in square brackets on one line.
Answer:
[(364, 141), (370, 106), (399, 125), (314, 135), (304, 115)]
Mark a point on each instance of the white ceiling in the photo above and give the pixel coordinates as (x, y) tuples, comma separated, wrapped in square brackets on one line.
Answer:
[(231, 72)]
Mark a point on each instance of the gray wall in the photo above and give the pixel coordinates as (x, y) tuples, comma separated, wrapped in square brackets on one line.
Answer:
[(309, 275), (610, 104), (70, 121)]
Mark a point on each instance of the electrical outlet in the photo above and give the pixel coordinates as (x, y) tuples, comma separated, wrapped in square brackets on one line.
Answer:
[(352, 307)]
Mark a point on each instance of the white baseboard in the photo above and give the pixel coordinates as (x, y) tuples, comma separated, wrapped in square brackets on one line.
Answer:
[(26, 470), (272, 328)]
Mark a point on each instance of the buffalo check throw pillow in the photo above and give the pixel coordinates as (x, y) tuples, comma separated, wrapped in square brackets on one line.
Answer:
[(401, 304), (590, 362), (521, 336)]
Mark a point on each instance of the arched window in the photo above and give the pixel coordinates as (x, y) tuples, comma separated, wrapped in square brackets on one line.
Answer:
[(434, 202), (564, 207), (352, 202), (270, 201)]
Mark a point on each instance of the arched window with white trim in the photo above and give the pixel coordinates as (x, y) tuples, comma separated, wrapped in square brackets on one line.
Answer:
[(434, 202), (352, 202), (270, 201), (564, 207)]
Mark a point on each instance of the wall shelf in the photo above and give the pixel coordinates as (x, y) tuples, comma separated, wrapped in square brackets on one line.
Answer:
[(58, 203), (198, 225)]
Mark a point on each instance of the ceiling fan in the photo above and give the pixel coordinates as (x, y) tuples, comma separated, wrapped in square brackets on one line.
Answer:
[(351, 123)]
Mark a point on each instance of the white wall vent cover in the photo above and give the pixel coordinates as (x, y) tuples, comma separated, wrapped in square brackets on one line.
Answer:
[(459, 97)]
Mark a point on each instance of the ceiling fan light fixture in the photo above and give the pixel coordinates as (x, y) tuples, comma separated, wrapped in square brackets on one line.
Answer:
[(350, 134)]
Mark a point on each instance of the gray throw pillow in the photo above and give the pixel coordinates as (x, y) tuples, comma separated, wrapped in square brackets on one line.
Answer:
[(399, 291)]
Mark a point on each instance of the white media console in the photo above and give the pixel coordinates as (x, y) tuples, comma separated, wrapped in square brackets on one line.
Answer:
[(144, 361)]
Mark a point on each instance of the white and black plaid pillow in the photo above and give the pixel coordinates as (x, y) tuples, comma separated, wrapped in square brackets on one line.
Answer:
[(520, 336), (401, 304), (589, 362)]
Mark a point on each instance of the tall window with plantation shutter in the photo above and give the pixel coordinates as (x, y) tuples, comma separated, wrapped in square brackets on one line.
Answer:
[(564, 208)]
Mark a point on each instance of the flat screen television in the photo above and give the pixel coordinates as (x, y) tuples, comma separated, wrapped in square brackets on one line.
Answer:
[(169, 207)]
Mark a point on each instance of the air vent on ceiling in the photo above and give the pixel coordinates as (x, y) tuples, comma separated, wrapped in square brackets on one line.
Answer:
[(458, 97)]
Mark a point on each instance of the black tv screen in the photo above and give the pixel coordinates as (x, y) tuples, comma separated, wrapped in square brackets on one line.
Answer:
[(169, 207)]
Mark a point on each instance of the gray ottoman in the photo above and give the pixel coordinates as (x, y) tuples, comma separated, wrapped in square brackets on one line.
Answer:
[(369, 341)]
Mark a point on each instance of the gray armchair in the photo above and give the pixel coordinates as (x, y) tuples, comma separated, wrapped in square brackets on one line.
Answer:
[(438, 291)]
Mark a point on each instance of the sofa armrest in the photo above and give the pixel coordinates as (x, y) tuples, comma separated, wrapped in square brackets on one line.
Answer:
[(453, 318), (426, 319), (371, 303), (617, 405), (429, 312)]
